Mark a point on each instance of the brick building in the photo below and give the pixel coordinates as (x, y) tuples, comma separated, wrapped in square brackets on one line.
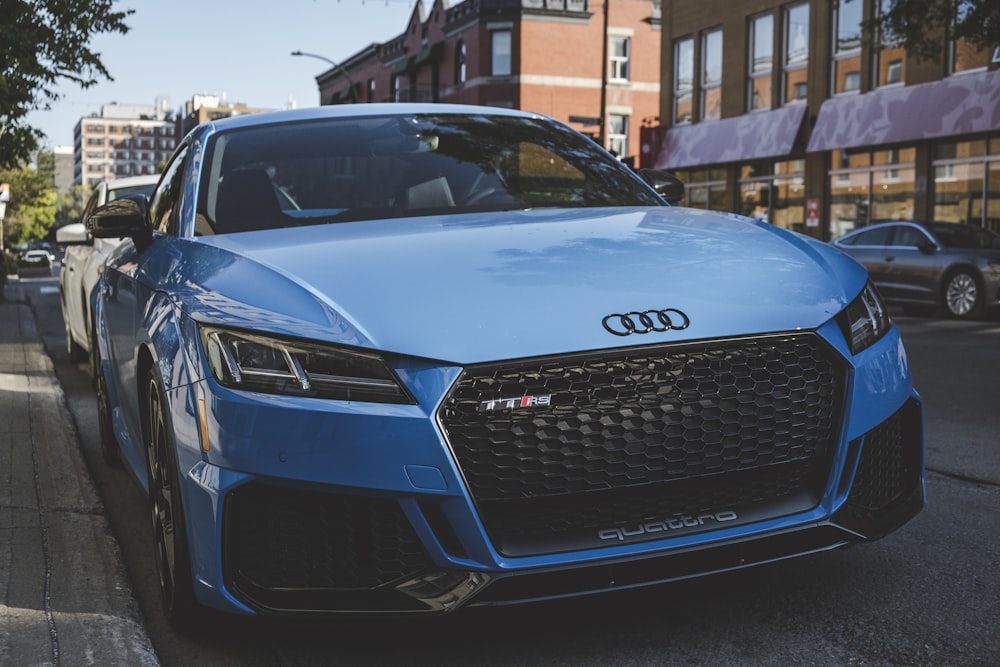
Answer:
[(124, 140), (780, 109), (544, 56)]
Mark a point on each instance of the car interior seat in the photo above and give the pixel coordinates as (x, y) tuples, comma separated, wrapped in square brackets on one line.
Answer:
[(247, 202)]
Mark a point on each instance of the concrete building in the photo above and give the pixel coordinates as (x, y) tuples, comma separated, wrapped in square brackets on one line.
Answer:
[(780, 110), (593, 64), (203, 108), (123, 140)]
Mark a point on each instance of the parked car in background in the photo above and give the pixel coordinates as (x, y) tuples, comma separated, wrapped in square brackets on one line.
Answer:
[(926, 266), (35, 262), (84, 256), (407, 358)]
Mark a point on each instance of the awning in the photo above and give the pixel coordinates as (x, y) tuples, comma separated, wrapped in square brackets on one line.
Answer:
[(433, 53), (964, 104), (752, 136)]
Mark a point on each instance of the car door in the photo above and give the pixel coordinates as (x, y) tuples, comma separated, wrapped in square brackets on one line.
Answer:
[(869, 247), (911, 265), (75, 264), (129, 288)]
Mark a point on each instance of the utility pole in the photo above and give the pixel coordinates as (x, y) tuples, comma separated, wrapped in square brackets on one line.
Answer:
[(603, 131)]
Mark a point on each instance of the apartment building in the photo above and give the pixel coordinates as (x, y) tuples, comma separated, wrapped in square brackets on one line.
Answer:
[(782, 111), (593, 64), (123, 140)]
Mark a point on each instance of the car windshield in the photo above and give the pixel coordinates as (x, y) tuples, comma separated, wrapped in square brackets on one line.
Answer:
[(345, 169), (966, 237)]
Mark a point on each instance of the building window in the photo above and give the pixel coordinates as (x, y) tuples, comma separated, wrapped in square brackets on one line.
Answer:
[(704, 188), (847, 17), (371, 90), (774, 192), (460, 71), (397, 88), (871, 186), (761, 63), (711, 75), (796, 56), (618, 134), (683, 80), (889, 58), (967, 182), (501, 52), (618, 49)]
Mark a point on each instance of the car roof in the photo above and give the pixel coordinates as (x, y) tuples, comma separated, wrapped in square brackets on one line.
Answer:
[(363, 111)]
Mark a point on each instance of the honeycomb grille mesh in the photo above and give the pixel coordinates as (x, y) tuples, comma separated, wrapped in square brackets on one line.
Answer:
[(292, 539), (741, 420)]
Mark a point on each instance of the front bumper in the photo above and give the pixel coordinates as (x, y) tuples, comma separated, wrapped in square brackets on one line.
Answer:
[(368, 508)]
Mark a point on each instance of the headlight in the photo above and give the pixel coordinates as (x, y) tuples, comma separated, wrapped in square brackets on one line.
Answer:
[(865, 320), (254, 362)]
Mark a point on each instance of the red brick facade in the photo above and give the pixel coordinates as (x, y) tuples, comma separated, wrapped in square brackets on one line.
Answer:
[(545, 56)]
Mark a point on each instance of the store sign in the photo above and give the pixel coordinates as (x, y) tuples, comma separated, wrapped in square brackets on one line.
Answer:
[(812, 213)]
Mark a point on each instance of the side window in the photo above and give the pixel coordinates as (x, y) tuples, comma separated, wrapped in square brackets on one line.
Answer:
[(908, 236), (874, 236), (165, 198)]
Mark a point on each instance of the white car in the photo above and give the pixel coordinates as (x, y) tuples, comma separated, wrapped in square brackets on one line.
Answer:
[(84, 258)]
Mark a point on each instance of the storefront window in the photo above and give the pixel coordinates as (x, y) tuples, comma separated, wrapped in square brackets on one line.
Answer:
[(704, 188), (871, 186), (774, 193), (967, 182)]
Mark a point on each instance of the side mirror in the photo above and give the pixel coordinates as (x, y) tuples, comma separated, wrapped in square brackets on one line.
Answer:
[(927, 247), (73, 234), (666, 184), (128, 216)]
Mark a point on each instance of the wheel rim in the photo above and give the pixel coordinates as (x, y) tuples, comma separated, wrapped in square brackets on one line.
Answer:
[(161, 500), (961, 294)]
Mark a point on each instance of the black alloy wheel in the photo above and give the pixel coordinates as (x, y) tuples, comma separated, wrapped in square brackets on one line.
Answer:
[(167, 515)]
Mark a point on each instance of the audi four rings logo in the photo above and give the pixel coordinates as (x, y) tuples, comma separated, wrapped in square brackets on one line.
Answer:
[(668, 319)]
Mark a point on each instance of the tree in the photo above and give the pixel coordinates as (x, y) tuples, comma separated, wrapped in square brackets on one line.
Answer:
[(923, 27), (41, 43), (32, 207)]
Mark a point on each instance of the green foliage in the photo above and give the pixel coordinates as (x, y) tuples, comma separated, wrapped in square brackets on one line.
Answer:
[(43, 42), (32, 207), (70, 204), (924, 27)]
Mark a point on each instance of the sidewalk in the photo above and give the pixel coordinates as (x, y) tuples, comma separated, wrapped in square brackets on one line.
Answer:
[(64, 595)]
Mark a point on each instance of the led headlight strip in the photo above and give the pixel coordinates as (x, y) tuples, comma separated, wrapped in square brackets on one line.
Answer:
[(865, 320), (257, 362)]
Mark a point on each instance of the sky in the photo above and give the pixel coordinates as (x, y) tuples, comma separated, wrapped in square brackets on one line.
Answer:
[(237, 50)]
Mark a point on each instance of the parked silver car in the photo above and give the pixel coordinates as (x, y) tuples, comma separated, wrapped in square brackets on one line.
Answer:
[(84, 258), (925, 266)]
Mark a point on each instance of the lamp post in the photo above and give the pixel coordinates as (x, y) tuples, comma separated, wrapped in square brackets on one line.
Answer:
[(334, 65)]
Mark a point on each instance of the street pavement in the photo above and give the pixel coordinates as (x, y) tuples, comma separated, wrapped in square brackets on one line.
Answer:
[(64, 596)]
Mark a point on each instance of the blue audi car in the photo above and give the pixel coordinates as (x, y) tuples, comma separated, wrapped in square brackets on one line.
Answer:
[(414, 358)]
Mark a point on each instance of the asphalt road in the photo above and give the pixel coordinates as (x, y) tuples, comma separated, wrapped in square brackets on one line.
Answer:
[(928, 594)]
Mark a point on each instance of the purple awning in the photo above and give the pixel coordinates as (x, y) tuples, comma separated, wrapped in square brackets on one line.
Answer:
[(963, 104), (749, 137)]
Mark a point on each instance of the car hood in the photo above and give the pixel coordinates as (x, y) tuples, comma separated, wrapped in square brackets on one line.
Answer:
[(481, 287)]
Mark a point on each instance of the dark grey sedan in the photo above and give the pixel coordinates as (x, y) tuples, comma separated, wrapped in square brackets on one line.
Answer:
[(924, 266)]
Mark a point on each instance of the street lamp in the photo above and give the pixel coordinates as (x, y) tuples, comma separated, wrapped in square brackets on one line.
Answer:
[(334, 65)]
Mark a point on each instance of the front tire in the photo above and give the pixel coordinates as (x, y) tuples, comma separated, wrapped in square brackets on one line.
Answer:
[(962, 296), (167, 514)]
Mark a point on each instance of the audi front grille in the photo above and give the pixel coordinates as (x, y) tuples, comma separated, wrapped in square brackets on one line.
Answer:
[(581, 451)]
